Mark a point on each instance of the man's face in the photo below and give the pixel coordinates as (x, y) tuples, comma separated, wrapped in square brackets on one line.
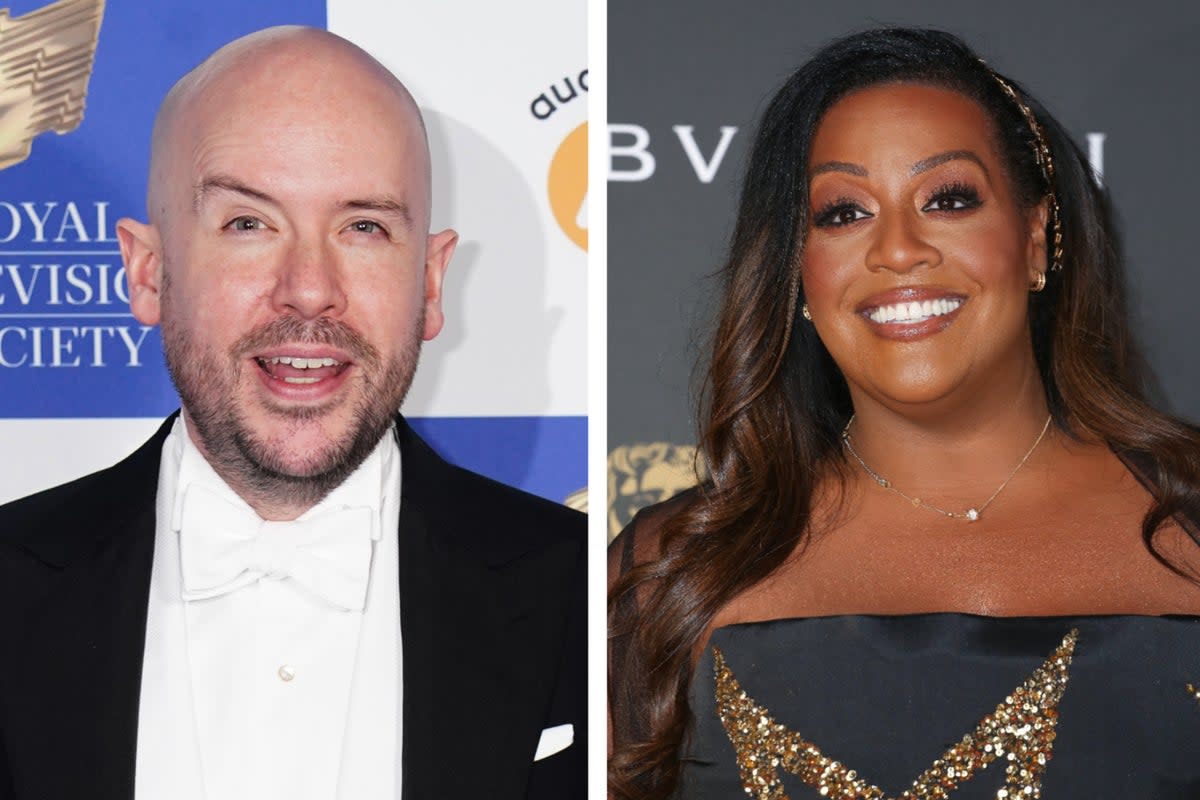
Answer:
[(298, 277)]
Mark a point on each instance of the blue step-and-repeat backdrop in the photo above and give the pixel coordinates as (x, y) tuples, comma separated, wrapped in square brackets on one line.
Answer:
[(501, 390)]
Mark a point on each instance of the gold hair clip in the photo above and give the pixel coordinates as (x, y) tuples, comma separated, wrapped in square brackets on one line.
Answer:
[(1045, 162)]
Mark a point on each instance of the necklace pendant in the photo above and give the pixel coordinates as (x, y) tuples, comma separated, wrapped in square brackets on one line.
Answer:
[(971, 514)]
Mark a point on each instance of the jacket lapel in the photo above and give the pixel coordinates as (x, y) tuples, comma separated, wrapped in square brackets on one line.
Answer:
[(79, 623), (475, 687), (474, 690)]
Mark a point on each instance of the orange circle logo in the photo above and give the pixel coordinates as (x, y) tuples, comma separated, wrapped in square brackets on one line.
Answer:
[(567, 186)]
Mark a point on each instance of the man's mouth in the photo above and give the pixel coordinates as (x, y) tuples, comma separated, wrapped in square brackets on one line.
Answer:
[(300, 369)]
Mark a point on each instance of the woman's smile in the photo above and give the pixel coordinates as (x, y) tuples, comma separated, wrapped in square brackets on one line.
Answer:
[(911, 312), (918, 257)]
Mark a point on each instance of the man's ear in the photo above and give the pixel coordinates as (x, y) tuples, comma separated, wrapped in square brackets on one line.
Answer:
[(141, 250), (438, 249)]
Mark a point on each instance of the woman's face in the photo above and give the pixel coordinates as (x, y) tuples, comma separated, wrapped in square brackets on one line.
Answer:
[(918, 258)]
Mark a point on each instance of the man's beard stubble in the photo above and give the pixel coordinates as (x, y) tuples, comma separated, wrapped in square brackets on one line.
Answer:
[(252, 466)]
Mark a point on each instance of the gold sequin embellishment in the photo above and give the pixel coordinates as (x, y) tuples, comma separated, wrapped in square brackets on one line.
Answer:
[(1020, 732), (1194, 692)]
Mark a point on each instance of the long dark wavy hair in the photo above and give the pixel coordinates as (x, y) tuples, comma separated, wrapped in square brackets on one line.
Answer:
[(775, 402)]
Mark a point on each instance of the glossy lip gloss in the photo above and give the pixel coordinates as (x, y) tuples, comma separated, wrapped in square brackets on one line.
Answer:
[(930, 310)]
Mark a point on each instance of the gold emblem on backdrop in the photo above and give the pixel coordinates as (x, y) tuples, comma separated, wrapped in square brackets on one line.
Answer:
[(567, 186), (640, 475), (1019, 734), (46, 61), (577, 500)]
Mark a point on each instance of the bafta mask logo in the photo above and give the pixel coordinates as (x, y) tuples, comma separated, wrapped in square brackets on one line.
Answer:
[(640, 475), (46, 61)]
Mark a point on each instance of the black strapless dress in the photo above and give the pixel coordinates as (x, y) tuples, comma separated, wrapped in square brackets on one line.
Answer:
[(947, 706)]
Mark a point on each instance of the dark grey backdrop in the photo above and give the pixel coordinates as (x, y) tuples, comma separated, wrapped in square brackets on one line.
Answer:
[(1127, 70)]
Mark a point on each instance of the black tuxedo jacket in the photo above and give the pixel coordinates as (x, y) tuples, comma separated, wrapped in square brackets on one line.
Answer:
[(492, 620)]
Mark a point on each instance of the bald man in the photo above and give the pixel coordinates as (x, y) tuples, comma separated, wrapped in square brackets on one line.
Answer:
[(285, 592)]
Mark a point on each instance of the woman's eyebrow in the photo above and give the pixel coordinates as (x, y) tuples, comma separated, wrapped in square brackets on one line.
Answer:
[(840, 166), (926, 164)]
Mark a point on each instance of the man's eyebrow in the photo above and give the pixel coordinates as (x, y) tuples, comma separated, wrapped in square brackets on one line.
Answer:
[(839, 166), (926, 164), (227, 184), (383, 205)]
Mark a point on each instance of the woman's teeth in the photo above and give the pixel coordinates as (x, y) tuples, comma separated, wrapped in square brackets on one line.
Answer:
[(914, 312)]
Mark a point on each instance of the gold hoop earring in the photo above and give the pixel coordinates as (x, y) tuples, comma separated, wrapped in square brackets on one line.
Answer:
[(1039, 283), (804, 312)]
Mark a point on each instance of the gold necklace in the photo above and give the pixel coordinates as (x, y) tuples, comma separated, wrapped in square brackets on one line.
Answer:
[(971, 514)]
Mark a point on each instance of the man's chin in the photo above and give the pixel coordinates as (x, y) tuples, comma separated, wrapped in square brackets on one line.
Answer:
[(272, 417), (318, 448), (308, 452)]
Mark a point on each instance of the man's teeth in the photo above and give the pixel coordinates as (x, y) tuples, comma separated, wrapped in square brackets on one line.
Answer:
[(295, 362), (915, 312), (303, 363)]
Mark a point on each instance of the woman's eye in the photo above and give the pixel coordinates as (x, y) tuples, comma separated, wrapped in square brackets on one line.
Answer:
[(948, 203), (954, 198), (246, 224), (839, 215)]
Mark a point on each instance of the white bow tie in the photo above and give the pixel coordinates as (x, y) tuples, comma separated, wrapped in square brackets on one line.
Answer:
[(224, 547)]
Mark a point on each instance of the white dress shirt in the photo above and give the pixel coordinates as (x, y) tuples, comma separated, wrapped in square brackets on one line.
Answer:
[(269, 690)]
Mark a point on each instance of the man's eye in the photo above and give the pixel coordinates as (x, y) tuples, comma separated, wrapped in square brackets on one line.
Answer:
[(246, 224), (366, 226)]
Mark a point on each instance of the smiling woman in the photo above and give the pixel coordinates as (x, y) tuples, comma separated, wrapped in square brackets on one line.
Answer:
[(935, 483), (911, 206)]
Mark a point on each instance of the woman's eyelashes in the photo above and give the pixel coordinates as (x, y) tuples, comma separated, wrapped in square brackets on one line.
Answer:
[(950, 197), (953, 197), (839, 213)]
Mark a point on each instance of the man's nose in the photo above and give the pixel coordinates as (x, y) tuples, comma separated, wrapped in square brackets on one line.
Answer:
[(900, 243), (310, 281)]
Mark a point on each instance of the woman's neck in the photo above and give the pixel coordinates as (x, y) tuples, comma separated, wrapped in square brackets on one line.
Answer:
[(960, 451)]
